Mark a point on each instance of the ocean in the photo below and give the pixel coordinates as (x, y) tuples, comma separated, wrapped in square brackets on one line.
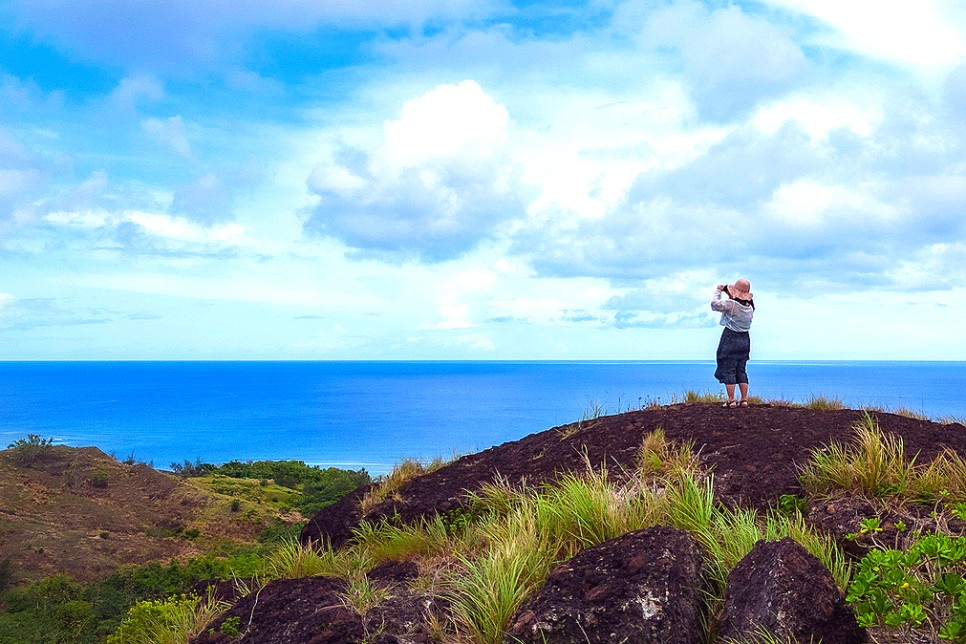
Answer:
[(373, 414)]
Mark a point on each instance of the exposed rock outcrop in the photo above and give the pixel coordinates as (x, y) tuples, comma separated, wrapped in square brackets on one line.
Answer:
[(781, 589), (319, 610), (753, 451), (645, 586), (307, 610)]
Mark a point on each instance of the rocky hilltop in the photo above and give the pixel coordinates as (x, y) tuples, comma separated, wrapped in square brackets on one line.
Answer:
[(645, 585)]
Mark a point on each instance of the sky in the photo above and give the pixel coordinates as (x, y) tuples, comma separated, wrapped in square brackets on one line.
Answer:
[(480, 179)]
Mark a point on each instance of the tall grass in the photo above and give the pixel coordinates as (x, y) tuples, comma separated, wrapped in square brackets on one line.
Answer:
[(498, 552), (293, 560), (495, 583), (406, 471), (824, 402), (877, 465), (874, 464), (657, 456), (551, 524), (176, 620)]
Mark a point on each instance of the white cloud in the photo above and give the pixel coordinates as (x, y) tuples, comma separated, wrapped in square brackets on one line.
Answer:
[(133, 89), (441, 181), (207, 199), (454, 297), (447, 124), (163, 228), (819, 115), (732, 60), (170, 132), (926, 32), (807, 203)]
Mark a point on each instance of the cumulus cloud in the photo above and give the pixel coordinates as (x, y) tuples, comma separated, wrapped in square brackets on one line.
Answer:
[(834, 206), (731, 60), (131, 90), (927, 33), (441, 181)]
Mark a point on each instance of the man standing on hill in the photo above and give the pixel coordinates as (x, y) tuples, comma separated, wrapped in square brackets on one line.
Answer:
[(734, 348)]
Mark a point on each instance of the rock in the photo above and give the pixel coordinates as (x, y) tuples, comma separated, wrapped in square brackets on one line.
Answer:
[(645, 586), (307, 610), (312, 610), (783, 590), (332, 526)]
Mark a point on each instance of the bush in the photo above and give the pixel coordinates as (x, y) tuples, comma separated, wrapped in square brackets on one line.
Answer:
[(100, 478), (905, 590), (187, 469), (158, 622), (31, 449)]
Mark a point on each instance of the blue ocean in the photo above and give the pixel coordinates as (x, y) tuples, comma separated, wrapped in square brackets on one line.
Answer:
[(373, 414)]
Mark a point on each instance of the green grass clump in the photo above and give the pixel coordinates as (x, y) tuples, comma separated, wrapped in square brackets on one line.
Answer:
[(294, 560), (691, 396), (499, 551), (386, 488), (494, 583), (657, 456), (876, 465), (169, 621), (823, 402)]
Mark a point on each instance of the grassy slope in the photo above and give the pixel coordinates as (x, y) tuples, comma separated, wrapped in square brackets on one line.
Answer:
[(80, 511)]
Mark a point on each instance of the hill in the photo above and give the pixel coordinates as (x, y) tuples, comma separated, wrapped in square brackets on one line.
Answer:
[(81, 512), (461, 553), (752, 452)]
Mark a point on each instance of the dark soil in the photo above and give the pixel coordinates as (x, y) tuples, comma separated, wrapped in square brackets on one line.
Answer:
[(754, 453)]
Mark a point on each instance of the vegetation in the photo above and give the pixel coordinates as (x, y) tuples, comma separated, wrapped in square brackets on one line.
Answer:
[(405, 471), (497, 551), (923, 586), (62, 610), (169, 621), (31, 449), (149, 603), (876, 465), (314, 487), (490, 555)]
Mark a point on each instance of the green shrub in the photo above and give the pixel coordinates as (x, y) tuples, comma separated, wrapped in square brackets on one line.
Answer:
[(230, 627), (169, 621), (923, 586), (100, 478), (187, 469), (32, 449)]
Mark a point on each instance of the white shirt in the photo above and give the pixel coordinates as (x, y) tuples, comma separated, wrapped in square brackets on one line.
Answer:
[(735, 316)]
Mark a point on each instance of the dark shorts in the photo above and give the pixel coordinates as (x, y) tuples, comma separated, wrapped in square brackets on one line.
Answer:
[(734, 349)]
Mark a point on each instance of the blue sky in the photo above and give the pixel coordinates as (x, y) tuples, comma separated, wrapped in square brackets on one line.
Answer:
[(480, 179)]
